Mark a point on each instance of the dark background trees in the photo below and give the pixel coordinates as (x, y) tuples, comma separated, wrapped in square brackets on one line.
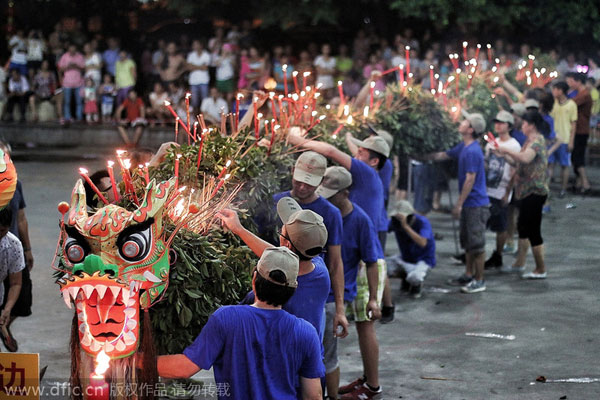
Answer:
[(541, 23)]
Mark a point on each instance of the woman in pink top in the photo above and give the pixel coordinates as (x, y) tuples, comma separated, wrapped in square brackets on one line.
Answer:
[(374, 65), (71, 64)]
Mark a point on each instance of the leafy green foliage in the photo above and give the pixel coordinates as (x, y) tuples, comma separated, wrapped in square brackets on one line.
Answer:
[(214, 270)]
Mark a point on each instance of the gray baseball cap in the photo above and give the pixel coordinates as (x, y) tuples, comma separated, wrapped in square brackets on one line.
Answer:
[(476, 120), (279, 259), (374, 143), (335, 179), (310, 168), (504, 116), (305, 228)]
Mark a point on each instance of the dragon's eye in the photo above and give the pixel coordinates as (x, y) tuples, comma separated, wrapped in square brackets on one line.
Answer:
[(74, 250), (135, 247)]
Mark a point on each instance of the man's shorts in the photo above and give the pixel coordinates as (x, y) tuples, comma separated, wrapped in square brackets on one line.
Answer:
[(359, 308), (359, 305), (560, 156), (498, 220), (472, 228)]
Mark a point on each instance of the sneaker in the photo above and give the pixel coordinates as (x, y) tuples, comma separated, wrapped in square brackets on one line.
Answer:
[(363, 392), (546, 210), (495, 261), (352, 386), (534, 275), (510, 269), (460, 258), (387, 314), (460, 281), (509, 249), (415, 291), (474, 287)]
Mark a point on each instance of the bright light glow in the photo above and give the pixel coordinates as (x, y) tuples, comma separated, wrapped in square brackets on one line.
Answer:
[(102, 363)]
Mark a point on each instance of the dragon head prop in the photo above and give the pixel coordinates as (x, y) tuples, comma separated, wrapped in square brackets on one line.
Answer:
[(8, 179), (116, 262)]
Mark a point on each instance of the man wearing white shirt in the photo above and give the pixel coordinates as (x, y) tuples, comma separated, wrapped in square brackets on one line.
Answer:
[(198, 61), (499, 175), (18, 92), (213, 106)]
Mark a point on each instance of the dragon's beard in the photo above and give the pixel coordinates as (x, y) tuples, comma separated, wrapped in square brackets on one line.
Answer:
[(107, 314)]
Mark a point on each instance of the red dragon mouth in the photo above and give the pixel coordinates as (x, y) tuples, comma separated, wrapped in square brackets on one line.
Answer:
[(107, 313)]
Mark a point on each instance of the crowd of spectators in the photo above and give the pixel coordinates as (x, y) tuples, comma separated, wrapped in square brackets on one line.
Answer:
[(88, 79)]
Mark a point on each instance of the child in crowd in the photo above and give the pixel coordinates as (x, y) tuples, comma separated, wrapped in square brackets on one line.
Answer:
[(107, 97), (90, 108)]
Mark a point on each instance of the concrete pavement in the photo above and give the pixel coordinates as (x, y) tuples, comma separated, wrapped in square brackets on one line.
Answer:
[(425, 353)]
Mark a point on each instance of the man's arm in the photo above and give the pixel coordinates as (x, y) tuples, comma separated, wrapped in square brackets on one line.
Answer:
[(464, 193), (415, 237), (256, 244), (373, 282), (439, 156), (176, 366), (322, 148), (13, 294), (572, 135), (336, 273), (311, 388), (249, 116), (351, 146), (23, 228)]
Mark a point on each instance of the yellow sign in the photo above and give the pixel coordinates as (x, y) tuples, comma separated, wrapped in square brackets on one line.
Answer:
[(19, 376)]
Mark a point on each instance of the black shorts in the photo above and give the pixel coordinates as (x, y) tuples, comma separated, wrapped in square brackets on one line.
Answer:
[(498, 220), (578, 153)]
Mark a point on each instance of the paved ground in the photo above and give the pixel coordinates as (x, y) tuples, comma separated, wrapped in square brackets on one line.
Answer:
[(425, 352)]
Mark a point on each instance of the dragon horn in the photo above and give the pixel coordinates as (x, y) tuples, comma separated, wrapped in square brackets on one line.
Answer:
[(78, 211)]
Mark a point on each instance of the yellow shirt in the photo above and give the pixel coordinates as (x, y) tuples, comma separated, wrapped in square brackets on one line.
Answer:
[(563, 115), (123, 76)]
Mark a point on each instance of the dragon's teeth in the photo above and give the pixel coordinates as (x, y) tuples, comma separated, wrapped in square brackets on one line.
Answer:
[(73, 291), (120, 346), (67, 299), (130, 312), (115, 291), (101, 289), (82, 327), (129, 338), (88, 290), (108, 347), (95, 346), (86, 340), (131, 324), (126, 294)]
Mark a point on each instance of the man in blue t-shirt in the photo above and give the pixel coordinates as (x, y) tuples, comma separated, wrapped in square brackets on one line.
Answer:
[(367, 189), (258, 351), (364, 273), (416, 243), (306, 176), (304, 233), (472, 206), (385, 174)]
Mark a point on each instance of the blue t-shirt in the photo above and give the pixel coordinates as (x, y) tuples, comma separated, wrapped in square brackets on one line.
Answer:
[(360, 243), (16, 203), (518, 136), (470, 159), (257, 353), (385, 174), (550, 121), (330, 213), (308, 301), (367, 192), (411, 252), (110, 58)]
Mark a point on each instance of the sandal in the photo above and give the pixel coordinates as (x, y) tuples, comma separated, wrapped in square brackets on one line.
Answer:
[(9, 341)]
